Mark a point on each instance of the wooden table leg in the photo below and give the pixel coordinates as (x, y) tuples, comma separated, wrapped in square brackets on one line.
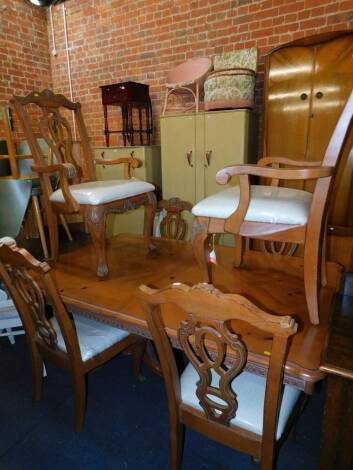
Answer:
[(106, 128), (337, 441)]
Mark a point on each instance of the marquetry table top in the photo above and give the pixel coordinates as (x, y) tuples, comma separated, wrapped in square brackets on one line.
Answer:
[(274, 283)]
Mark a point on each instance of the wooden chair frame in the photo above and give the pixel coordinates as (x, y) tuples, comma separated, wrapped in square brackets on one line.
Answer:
[(209, 311), (67, 169), (31, 287), (312, 235)]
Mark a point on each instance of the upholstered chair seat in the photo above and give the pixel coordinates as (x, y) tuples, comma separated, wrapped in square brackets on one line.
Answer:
[(250, 391), (101, 192), (93, 337), (271, 204)]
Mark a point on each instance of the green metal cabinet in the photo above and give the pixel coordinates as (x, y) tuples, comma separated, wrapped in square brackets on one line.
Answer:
[(195, 146), (150, 171)]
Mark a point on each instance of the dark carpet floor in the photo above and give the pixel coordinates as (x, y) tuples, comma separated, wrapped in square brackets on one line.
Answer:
[(126, 423)]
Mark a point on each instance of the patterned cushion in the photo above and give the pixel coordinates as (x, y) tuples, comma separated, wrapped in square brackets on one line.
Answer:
[(244, 58), (250, 391), (101, 192), (229, 91), (269, 204), (94, 337), (229, 87)]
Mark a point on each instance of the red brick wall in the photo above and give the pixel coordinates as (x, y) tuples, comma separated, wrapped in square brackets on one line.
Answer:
[(141, 40), (24, 50)]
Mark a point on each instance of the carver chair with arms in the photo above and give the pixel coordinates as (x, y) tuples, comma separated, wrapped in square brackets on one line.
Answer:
[(215, 395), (275, 213), (79, 191), (74, 343)]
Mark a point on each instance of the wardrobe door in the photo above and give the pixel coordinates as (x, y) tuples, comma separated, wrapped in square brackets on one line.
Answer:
[(287, 102), (332, 85)]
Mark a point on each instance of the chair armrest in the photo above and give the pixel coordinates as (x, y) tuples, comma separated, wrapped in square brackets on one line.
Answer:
[(223, 176), (129, 162), (267, 161), (65, 171)]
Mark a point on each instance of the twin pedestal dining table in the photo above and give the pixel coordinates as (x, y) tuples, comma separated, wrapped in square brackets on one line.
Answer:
[(274, 283)]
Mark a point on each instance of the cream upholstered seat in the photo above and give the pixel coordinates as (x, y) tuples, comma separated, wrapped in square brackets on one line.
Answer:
[(250, 391), (93, 337), (101, 192), (276, 205)]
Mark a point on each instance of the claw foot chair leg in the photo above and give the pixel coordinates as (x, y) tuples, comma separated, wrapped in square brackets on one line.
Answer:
[(150, 212), (96, 218)]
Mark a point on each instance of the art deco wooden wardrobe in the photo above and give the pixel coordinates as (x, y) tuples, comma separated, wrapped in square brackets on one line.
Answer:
[(307, 83)]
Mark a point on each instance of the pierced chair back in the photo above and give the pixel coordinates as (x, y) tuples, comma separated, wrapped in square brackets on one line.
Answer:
[(94, 200), (209, 339), (54, 127), (35, 296)]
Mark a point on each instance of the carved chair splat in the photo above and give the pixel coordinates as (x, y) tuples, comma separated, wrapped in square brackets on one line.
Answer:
[(173, 225), (214, 395), (79, 191), (76, 344), (275, 213)]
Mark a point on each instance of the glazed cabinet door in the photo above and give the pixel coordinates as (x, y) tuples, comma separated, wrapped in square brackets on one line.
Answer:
[(178, 157), (226, 139)]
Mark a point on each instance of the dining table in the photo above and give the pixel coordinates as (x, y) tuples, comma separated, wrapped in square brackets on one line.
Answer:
[(273, 282)]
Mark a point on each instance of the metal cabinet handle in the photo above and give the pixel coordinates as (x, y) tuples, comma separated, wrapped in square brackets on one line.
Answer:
[(189, 158), (208, 155), (102, 155)]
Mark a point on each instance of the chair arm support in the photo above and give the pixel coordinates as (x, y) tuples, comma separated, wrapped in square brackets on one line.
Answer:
[(65, 171), (129, 162), (224, 175)]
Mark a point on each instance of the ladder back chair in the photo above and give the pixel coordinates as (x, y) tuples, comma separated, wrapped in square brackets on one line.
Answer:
[(79, 191), (215, 395), (274, 213), (76, 344)]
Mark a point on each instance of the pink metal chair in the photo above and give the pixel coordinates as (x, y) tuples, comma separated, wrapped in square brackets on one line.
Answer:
[(187, 78)]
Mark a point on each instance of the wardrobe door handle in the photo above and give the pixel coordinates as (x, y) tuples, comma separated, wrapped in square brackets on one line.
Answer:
[(319, 95), (189, 158), (303, 96), (208, 155)]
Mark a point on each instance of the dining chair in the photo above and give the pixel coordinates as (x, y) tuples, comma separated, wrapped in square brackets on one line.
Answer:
[(187, 79), (10, 321), (215, 395), (74, 343), (274, 213), (79, 191)]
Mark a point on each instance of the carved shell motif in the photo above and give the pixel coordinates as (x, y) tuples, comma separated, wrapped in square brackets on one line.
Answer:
[(32, 295), (208, 347)]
